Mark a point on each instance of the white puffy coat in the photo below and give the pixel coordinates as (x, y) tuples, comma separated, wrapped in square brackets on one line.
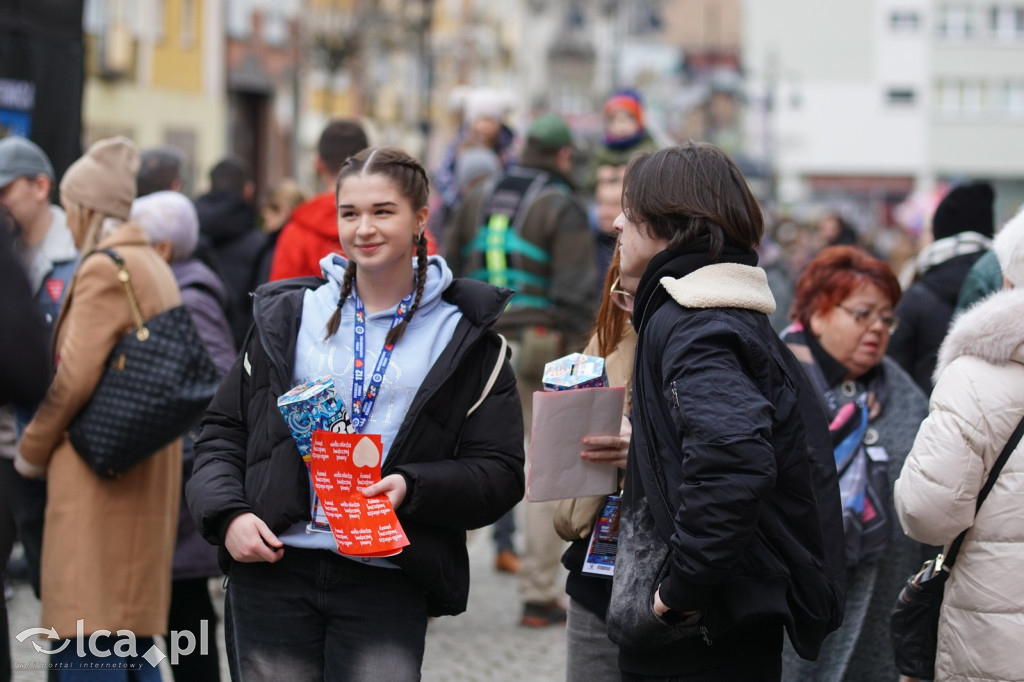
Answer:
[(976, 404)]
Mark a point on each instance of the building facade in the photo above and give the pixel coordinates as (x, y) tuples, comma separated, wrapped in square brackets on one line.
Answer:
[(264, 87), (874, 100), (155, 73)]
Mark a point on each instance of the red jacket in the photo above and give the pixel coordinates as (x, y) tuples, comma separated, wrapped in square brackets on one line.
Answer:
[(311, 234)]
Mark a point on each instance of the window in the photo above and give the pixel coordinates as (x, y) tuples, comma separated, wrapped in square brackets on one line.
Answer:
[(186, 31), (1013, 98), (904, 21), (956, 22), (238, 22), (184, 141), (901, 96), (275, 26), (95, 16), (948, 96), (962, 96), (1001, 22), (1006, 22), (972, 97), (99, 15)]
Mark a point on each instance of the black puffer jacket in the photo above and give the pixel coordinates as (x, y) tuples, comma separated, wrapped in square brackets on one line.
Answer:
[(228, 221), (462, 473), (925, 312), (732, 453)]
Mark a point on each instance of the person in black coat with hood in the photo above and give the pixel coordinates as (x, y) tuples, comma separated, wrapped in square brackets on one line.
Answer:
[(962, 230), (227, 219)]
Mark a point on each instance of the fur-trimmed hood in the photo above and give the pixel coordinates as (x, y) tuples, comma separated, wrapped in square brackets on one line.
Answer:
[(722, 285), (992, 330)]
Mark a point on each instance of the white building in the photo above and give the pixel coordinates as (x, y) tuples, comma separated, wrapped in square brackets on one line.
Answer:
[(872, 99)]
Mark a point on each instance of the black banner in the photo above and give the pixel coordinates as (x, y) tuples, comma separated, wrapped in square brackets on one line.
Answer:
[(42, 70)]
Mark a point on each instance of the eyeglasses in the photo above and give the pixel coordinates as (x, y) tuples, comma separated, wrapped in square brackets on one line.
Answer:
[(620, 296), (865, 317)]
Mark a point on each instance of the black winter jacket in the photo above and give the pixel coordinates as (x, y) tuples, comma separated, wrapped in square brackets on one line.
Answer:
[(731, 450), (925, 312), (228, 221), (462, 473)]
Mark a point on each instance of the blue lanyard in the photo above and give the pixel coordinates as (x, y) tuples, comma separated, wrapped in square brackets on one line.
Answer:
[(362, 405)]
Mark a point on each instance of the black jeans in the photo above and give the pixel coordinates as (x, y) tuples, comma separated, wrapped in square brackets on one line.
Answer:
[(190, 606), (22, 507), (22, 511), (314, 615)]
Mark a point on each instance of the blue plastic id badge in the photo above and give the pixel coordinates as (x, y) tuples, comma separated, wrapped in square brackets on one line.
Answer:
[(604, 541)]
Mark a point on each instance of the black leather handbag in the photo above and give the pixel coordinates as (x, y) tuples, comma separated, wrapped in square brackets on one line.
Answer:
[(158, 381), (914, 623)]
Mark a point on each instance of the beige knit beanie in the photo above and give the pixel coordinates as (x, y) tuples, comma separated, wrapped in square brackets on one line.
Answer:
[(104, 179)]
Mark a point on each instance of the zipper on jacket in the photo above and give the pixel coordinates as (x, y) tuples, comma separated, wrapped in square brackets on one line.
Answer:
[(705, 635), (675, 396)]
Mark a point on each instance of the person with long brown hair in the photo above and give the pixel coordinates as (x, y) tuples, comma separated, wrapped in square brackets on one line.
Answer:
[(443, 399), (590, 655)]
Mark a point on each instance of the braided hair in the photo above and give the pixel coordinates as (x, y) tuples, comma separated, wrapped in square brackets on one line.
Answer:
[(410, 179)]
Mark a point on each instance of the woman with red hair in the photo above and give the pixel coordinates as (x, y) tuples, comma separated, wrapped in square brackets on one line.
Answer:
[(842, 322)]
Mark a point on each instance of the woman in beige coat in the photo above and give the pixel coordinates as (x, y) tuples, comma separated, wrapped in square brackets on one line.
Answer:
[(107, 544), (977, 402)]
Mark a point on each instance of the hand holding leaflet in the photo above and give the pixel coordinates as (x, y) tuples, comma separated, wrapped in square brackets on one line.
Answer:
[(343, 465)]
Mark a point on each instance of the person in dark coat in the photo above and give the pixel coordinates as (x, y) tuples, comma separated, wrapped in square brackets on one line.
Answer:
[(842, 320), (46, 252), (962, 228), (731, 520), (24, 376), (24, 367), (171, 223), (227, 217)]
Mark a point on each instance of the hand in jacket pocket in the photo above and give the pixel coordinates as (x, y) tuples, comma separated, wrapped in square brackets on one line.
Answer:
[(676, 617)]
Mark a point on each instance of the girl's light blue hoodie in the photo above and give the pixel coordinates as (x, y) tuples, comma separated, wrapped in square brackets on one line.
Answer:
[(426, 336)]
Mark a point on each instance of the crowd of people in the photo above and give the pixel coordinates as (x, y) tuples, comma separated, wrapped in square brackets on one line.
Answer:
[(800, 431)]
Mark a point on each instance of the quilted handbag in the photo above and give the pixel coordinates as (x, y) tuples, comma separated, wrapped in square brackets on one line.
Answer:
[(157, 383), (914, 623)]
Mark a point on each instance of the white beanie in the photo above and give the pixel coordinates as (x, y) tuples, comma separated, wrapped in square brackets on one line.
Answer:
[(1009, 248), (484, 103)]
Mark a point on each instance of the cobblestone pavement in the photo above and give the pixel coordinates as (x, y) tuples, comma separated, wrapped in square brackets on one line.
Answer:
[(485, 644)]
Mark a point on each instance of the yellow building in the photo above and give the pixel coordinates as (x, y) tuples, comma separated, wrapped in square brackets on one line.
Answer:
[(155, 73)]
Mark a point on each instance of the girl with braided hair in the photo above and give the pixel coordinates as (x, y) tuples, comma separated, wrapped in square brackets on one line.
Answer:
[(444, 403)]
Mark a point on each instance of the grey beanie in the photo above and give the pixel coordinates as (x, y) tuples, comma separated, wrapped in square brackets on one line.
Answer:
[(475, 163)]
